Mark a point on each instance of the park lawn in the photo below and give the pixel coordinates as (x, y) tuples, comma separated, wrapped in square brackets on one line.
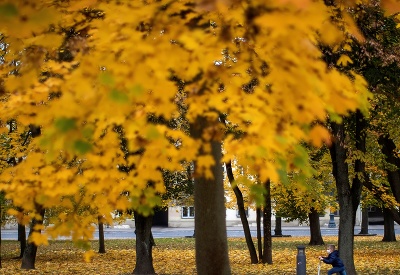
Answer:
[(176, 256)]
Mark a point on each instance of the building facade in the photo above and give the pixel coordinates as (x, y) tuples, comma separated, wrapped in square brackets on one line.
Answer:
[(184, 217)]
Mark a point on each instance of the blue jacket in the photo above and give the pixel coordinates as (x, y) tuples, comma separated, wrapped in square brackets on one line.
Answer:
[(333, 259)]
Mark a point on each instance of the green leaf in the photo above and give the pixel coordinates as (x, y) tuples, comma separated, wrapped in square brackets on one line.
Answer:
[(64, 124), (87, 132), (136, 90), (107, 79), (8, 10), (301, 158), (154, 201), (118, 96), (82, 146), (145, 210), (282, 171), (283, 176), (152, 133), (261, 151), (257, 192), (82, 244)]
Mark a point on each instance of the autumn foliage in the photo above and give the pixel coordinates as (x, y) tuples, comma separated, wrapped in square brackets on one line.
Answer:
[(99, 76), (176, 256), (81, 68)]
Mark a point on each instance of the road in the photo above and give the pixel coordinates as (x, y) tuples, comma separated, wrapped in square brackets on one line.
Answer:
[(168, 232)]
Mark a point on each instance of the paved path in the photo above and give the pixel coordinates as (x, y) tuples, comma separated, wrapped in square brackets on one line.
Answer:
[(124, 232)]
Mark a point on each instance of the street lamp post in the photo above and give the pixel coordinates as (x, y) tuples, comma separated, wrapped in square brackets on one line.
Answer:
[(332, 223), (301, 260)]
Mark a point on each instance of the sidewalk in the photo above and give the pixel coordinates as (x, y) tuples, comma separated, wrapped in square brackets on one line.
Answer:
[(126, 232), (357, 228)]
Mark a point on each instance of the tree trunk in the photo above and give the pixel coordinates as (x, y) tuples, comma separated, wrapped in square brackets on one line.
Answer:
[(210, 224), (389, 150), (278, 226), (393, 175), (364, 221), (144, 246), (349, 196), (102, 247), (267, 253), (259, 235), (210, 213), (379, 194), (29, 257), (315, 228), (389, 234), (242, 213), (1, 223), (21, 239)]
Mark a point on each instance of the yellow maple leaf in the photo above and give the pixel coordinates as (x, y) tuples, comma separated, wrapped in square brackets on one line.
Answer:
[(344, 60), (89, 255), (38, 238), (205, 161), (319, 135), (390, 6), (46, 40)]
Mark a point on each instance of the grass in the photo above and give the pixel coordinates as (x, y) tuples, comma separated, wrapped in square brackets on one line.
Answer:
[(176, 256)]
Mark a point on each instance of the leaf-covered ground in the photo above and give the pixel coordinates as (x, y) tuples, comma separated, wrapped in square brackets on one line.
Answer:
[(176, 256)]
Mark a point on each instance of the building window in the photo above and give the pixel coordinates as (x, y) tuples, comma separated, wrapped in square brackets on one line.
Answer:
[(188, 212), (238, 215)]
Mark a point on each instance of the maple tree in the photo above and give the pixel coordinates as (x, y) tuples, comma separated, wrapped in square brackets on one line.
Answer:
[(80, 68), (240, 201), (377, 60), (373, 55), (12, 143), (305, 199)]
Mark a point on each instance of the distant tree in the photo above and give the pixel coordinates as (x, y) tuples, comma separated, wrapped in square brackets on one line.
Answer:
[(102, 247), (305, 199), (242, 213)]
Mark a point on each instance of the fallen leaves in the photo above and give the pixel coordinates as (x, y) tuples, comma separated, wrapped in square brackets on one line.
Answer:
[(177, 256)]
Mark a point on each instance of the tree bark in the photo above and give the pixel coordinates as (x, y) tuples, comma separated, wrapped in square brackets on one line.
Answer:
[(21, 239), (315, 228), (102, 247), (242, 214), (1, 223), (393, 174), (29, 257), (278, 226), (389, 234), (388, 149), (379, 194), (210, 213), (210, 224), (144, 245), (267, 253), (364, 221), (259, 235), (348, 195)]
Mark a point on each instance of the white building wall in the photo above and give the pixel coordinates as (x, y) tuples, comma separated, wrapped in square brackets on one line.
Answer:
[(233, 218), (175, 218)]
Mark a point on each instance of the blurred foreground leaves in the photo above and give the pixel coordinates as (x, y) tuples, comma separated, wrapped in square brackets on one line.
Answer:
[(176, 256)]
